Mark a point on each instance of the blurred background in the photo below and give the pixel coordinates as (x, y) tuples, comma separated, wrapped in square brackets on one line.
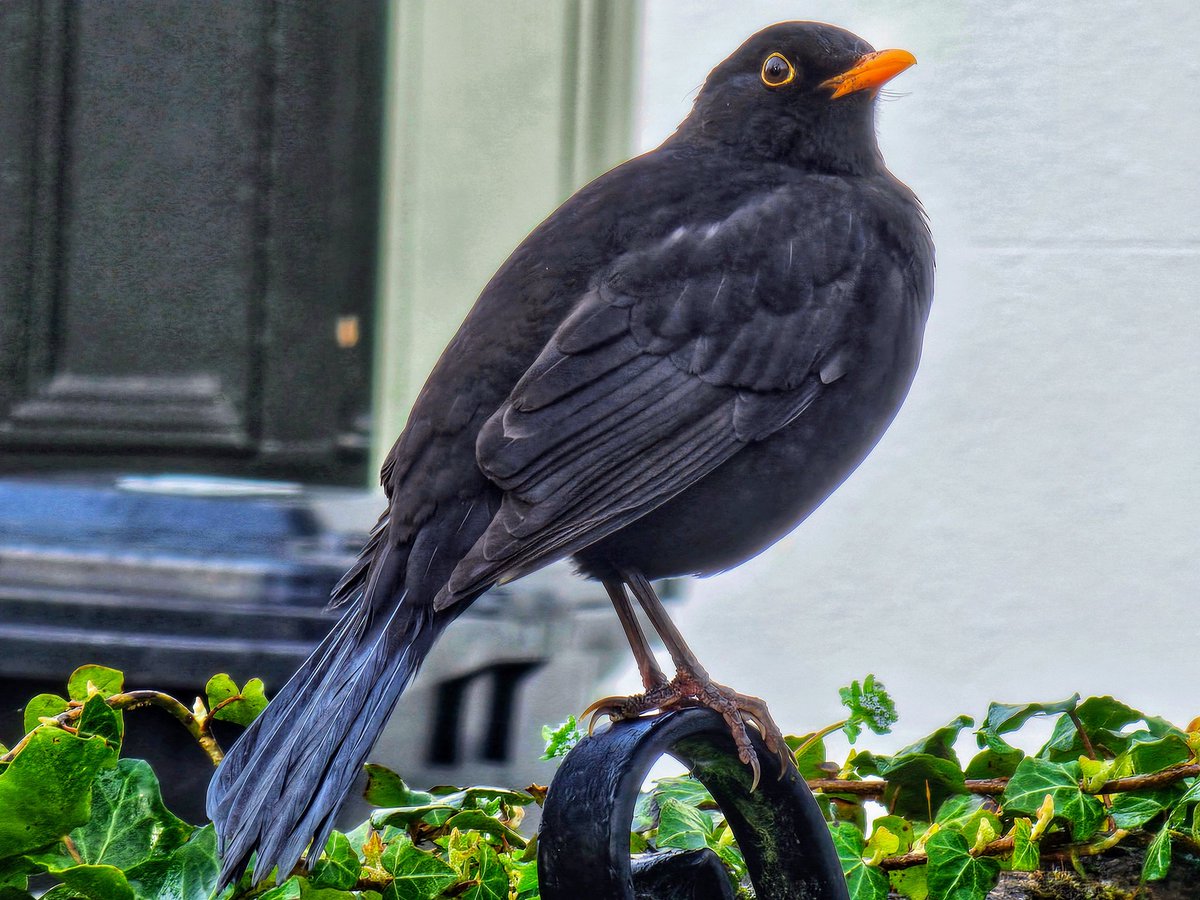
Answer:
[(234, 237)]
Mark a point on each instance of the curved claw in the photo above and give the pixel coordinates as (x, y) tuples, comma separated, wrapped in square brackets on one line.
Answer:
[(757, 773), (598, 706), (755, 710), (605, 706), (780, 752)]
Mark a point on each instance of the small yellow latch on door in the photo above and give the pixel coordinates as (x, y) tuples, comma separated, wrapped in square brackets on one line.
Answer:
[(347, 331)]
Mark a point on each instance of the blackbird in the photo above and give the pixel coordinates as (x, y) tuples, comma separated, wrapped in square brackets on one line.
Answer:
[(668, 375)]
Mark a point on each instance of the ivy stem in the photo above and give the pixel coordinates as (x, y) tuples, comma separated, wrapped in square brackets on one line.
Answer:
[(876, 786), (1003, 846), (998, 847), (816, 736), (1083, 735), (1153, 780), (72, 849), (197, 726), (995, 786), (16, 748), (1090, 750)]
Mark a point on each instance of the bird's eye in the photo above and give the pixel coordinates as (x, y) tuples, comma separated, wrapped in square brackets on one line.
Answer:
[(777, 71)]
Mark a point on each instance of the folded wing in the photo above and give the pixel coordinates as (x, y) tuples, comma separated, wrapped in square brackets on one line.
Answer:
[(679, 355)]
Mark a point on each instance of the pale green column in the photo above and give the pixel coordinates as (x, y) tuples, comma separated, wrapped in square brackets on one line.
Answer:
[(496, 112)]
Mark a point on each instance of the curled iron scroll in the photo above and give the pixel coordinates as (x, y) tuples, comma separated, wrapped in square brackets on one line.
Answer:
[(583, 842)]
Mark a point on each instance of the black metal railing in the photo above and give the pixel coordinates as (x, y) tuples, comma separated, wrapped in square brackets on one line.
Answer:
[(583, 842)]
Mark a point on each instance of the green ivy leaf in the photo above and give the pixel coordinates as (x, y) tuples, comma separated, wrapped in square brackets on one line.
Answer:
[(912, 884), (105, 680), (941, 742), (865, 763), (954, 874), (220, 688), (1108, 714), (527, 880), (967, 814), (561, 738), (43, 705), (432, 814), (230, 704), (1035, 778), (1158, 856), (338, 866), (882, 843), (1133, 810), (685, 789), (735, 862), (1025, 856), (919, 782), (418, 875), (922, 775), (309, 892), (94, 883), (682, 827), (491, 881), (386, 788), (864, 882), (994, 763), (957, 809), (1098, 772), (189, 872), (481, 795), (809, 761), (1002, 718), (129, 823), (443, 806), (14, 878), (1192, 794), (98, 718), (1156, 754), (47, 789), (478, 820), (870, 705), (1106, 722), (899, 826)]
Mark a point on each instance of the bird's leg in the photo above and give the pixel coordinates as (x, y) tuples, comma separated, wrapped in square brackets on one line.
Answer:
[(652, 675), (693, 686), (653, 679)]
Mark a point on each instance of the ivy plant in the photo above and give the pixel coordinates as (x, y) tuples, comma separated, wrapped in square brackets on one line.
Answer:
[(87, 824)]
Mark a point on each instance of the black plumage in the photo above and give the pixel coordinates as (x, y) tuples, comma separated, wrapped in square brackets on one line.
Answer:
[(665, 377)]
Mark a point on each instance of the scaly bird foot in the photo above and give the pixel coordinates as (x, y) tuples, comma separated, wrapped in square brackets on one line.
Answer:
[(661, 697), (686, 690)]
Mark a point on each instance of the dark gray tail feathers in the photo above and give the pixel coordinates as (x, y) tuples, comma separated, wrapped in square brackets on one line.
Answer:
[(280, 786)]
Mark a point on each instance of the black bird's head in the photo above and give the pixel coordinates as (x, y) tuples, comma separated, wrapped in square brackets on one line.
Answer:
[(801, 93)]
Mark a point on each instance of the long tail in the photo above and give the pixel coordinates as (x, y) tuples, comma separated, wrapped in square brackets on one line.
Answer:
[(282, 782)]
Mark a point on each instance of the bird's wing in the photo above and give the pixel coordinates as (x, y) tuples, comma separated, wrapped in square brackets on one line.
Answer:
[(678, 356)]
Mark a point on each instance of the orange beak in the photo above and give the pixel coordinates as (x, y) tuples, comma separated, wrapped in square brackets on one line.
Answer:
[(871, 72)]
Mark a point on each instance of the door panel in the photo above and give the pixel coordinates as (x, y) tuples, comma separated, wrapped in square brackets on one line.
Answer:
[(188, 198)]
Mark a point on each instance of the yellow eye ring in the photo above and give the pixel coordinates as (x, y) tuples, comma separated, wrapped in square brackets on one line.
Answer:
[(773, 75)]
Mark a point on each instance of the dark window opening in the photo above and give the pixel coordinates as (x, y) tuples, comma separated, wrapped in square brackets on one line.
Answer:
[(505, 679)]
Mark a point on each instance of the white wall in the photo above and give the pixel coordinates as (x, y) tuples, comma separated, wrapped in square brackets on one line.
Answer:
[(1029, 527)]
